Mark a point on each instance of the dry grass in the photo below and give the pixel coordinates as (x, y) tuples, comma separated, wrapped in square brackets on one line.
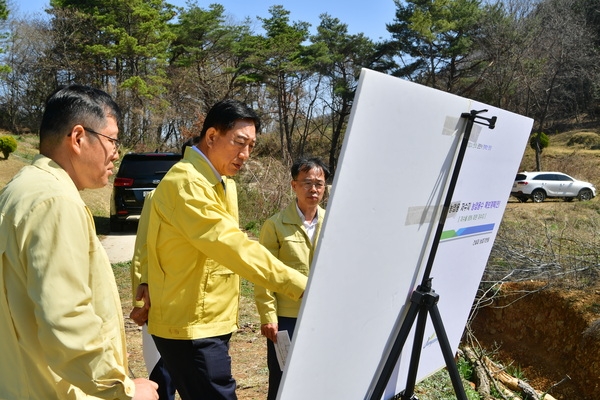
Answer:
[(569, 155), (27, 148), (554, 239)]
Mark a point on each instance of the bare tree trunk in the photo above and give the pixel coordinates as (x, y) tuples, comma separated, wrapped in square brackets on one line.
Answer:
[(538, 154)]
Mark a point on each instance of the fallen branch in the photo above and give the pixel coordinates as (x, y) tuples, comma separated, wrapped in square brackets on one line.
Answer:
[(482, 382), (513, 383)]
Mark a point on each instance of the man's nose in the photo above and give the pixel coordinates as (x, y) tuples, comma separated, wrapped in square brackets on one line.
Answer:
[(245, 153)]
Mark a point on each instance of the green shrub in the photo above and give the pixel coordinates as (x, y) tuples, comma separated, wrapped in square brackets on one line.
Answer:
[(587, 140), (539, 138), (8, 144)]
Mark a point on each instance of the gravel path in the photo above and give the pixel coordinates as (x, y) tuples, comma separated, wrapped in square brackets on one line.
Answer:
[(119, 247)]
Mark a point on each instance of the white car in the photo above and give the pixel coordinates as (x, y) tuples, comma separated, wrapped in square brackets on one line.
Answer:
[(538, 186)]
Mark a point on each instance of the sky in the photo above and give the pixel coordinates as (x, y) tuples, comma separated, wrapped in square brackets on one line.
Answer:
[(368, 17)]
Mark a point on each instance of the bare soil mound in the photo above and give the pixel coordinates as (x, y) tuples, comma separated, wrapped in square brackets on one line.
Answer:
[(549, 333)]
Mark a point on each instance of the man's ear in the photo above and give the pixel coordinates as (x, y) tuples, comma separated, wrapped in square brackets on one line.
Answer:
[(76, 138), (211, 136)]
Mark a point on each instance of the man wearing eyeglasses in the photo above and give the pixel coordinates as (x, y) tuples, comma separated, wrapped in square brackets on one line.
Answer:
[(291, 236), (196, 254), (61, 320)]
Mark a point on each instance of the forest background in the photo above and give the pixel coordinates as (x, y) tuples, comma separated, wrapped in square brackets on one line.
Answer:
[(166, 65)]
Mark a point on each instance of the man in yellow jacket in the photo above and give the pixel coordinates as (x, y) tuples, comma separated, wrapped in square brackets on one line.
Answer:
[(61, 322), (196, 253), (291, 235), (139, 273)]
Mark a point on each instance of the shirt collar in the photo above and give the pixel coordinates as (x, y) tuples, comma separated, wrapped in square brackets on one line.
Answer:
[(301, 215), (217, 175)]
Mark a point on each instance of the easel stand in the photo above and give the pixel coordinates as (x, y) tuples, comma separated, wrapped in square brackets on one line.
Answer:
[(424, 299)]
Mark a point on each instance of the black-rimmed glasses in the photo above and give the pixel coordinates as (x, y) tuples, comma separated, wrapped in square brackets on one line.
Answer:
[(308, 185), (114, 141)]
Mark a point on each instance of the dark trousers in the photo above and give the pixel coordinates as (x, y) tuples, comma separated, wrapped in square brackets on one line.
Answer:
[(200, 368), (160, 375), (275, 373)]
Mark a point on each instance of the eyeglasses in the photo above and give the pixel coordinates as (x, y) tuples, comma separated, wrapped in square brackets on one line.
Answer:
[(307, 185), (115, 142)]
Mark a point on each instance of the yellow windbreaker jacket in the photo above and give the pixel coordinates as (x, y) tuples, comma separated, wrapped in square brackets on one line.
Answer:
[(285, 237), (61, 323), (196, 251)]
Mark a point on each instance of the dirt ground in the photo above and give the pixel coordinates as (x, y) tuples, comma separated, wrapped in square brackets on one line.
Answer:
[(552, 335), (527, 331), (248, 353), (248, 347)]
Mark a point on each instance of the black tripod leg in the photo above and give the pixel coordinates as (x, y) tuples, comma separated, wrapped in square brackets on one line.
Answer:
[(436, 319), (415, 356), (394, 355)]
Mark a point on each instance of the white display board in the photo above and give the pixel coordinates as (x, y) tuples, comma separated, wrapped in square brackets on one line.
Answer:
[(397, 156)]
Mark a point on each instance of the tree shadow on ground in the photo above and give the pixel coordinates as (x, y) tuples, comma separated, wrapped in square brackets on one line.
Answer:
[(103, 226)]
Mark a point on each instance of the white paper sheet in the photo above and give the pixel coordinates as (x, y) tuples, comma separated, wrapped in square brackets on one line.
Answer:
[(282, 347)]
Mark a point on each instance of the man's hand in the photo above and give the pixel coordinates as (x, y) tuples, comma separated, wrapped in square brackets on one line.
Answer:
[(270, 331), (140, 314), (145, 389)]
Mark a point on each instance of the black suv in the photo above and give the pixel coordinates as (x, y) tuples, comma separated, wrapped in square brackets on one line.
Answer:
[(138, 174)]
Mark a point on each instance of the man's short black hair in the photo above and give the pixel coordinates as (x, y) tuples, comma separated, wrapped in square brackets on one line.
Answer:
[(224, 114), (305, 164), (75, 104)]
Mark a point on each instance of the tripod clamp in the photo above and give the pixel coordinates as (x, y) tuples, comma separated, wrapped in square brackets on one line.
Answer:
[(473, 116)]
